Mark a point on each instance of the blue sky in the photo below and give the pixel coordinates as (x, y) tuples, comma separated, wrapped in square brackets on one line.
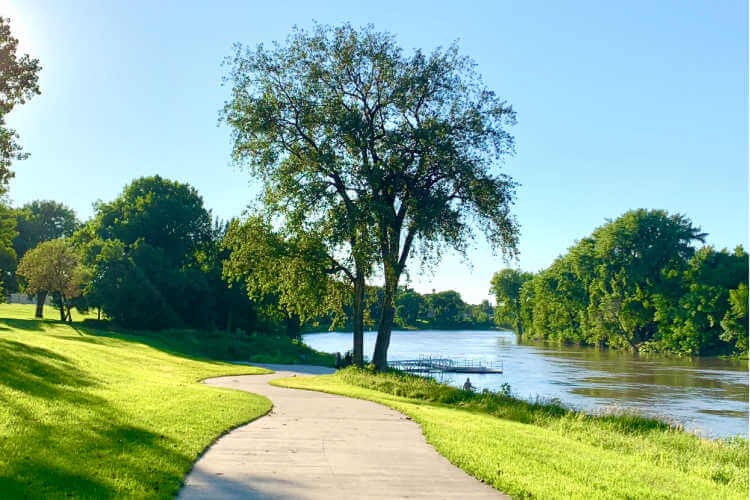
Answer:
[(620, 105)]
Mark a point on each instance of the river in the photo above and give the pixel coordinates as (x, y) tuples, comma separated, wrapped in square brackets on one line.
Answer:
[(707, 395)]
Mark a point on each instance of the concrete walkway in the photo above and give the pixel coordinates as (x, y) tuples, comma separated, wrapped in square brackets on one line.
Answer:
[(316, 445)]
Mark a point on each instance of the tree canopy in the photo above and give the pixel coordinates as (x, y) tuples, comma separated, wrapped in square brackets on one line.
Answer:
[(152, 255), (162, 213)]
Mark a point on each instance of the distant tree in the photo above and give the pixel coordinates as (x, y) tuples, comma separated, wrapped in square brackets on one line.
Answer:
[(19, 78), (145, 251), (560, 300), (38, 221), (735, 320), (54, 266), (506, 287), (409, 306), (632, 251), (446, 309), (639, 283), (160, 212), (42, 220), (689, 315)]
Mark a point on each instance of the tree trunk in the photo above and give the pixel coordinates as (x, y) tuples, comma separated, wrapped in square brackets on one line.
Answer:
[(519, 329), (98, 313), (41, 298), (62, 308), (69, 317), (358, 320), (387, 313), (292, 326)]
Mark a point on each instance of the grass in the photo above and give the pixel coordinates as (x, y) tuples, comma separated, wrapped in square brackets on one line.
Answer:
[(530, 450), (97, 414)]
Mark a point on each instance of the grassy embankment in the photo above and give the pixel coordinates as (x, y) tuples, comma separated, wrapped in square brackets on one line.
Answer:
[(545, 451), (94, 413)]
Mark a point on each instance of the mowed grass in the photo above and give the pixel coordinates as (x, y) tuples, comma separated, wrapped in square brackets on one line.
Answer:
[(544, 451), (101, 416)]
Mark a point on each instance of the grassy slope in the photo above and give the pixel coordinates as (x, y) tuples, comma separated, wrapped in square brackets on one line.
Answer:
[(89, 415), (537, 451)]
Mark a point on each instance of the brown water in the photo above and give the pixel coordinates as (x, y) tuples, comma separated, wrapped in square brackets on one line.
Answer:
[(708, 395)]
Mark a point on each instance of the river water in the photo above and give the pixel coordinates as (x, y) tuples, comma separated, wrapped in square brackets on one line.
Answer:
[(707, 395)]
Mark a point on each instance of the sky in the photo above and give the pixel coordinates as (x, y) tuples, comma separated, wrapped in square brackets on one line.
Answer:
[(620, 105)]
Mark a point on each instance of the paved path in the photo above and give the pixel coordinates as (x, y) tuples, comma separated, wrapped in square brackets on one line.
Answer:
[(316, 445)]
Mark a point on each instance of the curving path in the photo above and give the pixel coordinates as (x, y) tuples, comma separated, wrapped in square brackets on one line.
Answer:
[(317, 445)]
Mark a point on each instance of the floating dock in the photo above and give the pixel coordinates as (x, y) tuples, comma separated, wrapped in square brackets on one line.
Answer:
[(429, 364)]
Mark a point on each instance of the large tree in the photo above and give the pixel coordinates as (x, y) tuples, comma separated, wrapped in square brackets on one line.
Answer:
[(396, 152), (165, 214), (147, 253), (19, 76), (633, 256), (54, 266)]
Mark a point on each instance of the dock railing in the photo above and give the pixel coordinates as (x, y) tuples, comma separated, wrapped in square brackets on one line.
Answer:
[(432, 364)]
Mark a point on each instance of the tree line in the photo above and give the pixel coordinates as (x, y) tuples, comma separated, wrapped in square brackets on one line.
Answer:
[(153, 258), (639, 282), (417, 311)]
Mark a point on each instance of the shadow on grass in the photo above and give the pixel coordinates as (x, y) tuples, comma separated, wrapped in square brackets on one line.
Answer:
[(210, 345), (40, 372), (33, 325), (66, 440), (106, 460)]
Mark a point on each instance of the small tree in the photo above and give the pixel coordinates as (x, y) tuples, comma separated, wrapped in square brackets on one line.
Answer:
[(296, 270), (53, 266), (38, 221)]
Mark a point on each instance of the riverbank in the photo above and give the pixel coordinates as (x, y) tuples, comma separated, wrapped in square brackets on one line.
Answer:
[(708, 395), (545, 451), (89, 413)]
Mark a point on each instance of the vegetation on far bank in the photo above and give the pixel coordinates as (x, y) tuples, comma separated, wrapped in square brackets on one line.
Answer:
[(444, 310), (635, 283), (533, 450), (88, 413)]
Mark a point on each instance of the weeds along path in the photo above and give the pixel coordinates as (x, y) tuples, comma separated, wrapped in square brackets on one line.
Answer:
[(318, 445)]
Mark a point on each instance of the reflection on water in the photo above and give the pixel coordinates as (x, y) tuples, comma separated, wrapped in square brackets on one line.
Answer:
[(709, 395)]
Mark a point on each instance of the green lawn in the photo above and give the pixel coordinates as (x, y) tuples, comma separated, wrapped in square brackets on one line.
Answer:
[(93, 414), (541, 451)]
